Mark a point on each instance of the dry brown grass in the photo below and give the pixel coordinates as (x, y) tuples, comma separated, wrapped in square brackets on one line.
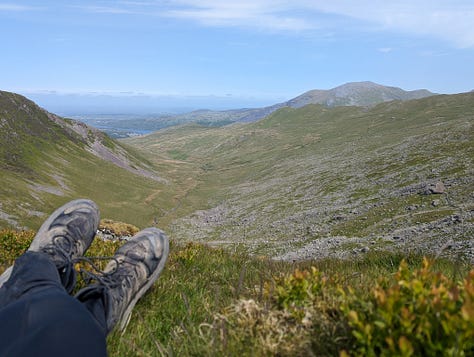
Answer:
[(119, 228)]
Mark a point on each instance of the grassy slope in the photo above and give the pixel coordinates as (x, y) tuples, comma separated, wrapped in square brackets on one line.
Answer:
[(43, 165), (311, 173), (290, 167)]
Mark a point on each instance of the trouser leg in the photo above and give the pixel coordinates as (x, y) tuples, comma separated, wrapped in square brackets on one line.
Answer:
[(33, 272), (39, 318)]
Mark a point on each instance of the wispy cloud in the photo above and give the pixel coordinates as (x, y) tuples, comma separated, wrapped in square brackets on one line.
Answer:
[(108, 10), (448, 20), (451, 21), (262, 14), (125, 7), (385, 49), (15, 7), (433, 53)]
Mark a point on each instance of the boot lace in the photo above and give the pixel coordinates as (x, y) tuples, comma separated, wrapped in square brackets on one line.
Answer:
[(121, 279)]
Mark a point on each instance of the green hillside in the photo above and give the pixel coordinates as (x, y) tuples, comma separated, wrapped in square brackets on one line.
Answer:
[(46, 160), (312, 182), (315, 181), (302, 183)]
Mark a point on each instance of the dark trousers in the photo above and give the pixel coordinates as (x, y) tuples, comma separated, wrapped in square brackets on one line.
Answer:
[(39, 318)]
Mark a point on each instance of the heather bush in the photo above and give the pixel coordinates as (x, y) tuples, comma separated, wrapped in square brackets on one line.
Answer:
[(12, 245)]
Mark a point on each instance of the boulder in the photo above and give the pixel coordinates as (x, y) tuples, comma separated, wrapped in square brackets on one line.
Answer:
[(435, 189)]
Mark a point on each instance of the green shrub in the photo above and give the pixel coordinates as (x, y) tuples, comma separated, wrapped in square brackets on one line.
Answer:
[(298, 315), (414, 313), (299, 289)]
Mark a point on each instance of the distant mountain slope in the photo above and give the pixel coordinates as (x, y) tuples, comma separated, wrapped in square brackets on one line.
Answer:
[(315, 181), (362, 94), (356, 94), (45, 159)]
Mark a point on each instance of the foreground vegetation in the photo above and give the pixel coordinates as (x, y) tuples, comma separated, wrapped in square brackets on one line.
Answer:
[(215, 302)]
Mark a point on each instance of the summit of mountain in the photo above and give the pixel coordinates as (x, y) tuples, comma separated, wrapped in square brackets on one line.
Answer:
[(359, 94), (356, 94)]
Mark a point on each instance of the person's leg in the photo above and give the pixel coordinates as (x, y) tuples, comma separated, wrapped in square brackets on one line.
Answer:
[(134, 268), (39, 318), (43, 317)]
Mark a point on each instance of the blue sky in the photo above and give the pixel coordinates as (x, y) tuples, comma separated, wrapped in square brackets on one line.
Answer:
[(249, 50)]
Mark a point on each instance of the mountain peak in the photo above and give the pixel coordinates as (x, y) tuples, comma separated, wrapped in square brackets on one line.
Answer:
[(363, 84), (356, 94)]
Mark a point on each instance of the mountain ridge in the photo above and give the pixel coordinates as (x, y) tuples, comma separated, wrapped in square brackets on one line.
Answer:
[(362, 94), (37, 120), (44, 159), (358, 94)]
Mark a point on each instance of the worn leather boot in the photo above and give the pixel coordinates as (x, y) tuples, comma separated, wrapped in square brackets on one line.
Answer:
[(65, 236), (132, 271)]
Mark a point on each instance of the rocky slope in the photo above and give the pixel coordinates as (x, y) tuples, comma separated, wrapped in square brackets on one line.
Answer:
[(316, 181)]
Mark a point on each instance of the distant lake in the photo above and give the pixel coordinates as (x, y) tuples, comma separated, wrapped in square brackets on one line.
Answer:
[(120, 125)]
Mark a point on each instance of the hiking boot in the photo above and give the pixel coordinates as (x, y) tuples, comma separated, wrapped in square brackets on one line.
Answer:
[(132, 271), (65, 236)]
